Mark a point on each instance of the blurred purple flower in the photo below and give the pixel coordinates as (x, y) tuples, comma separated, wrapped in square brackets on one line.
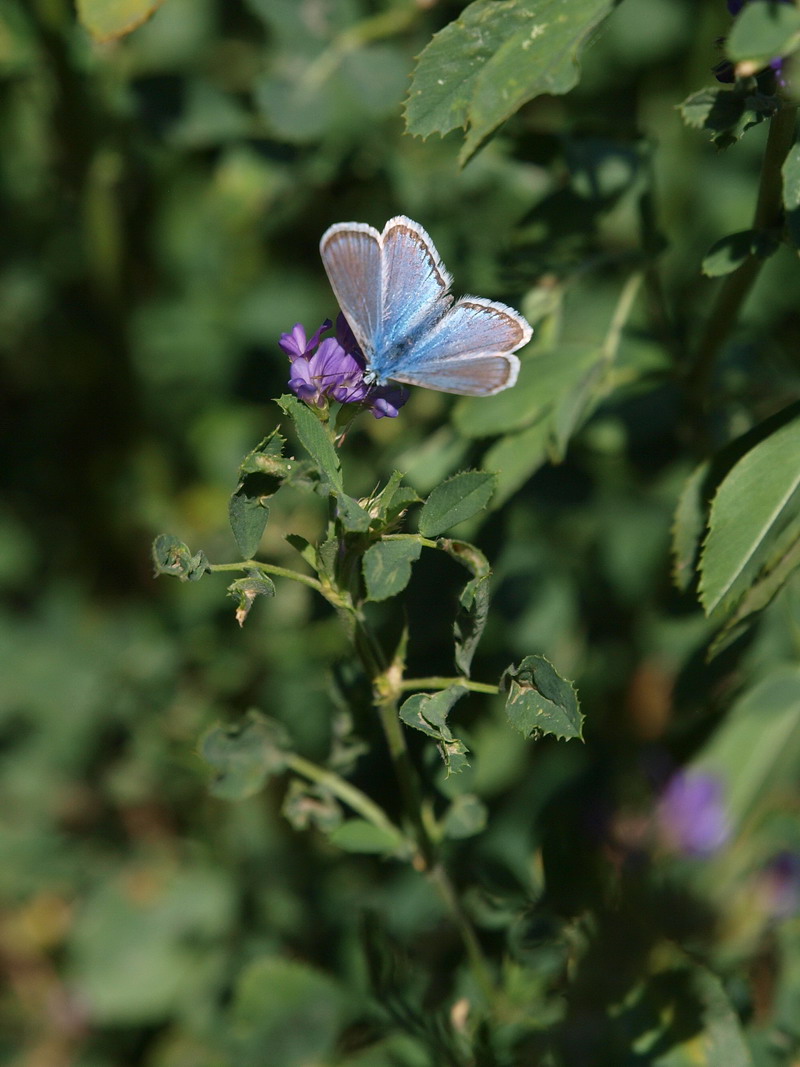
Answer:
[(780, 884), (334, 369), (691, 814)]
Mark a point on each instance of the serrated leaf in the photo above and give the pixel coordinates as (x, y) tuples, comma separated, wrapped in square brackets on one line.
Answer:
[(248, 515), (466, 816), (386, 567), (245, 591), (358, 835), (540, 701), (455, 500), (728, 114), (760, 594), (756, 503), (172, 556), (108, 19), (763, 30), (495, 57), (473, 609), (244, 755), (688, 526), (314, 439)]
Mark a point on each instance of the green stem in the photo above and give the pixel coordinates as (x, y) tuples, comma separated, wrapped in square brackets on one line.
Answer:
[(424, 541), (768, 215), (480, 969), (350, 795), (269, 568), (445, 683)]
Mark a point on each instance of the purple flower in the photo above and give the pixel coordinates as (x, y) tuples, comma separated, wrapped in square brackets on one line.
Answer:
[(691, 814), (780, 884), (334, 369)]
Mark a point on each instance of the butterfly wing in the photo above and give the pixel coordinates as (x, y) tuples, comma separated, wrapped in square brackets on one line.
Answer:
[(415, 282), (351, 254), (468, 351)]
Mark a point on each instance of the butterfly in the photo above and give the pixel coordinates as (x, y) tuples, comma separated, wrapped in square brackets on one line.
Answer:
[(394, 292)]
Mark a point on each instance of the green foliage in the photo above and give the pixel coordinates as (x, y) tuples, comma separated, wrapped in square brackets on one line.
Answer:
[(398, 863), (454, 501), (744, 547), (493, 59), (762, 31), (244, 755), (540, 701)]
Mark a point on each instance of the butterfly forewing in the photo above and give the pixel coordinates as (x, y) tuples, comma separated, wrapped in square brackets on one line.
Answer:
[(415, 284), (351, 254)]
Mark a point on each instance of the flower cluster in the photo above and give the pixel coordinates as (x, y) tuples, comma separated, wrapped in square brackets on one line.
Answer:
[(334, 369)]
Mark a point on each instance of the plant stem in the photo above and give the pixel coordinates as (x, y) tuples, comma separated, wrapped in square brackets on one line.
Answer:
[(733, 292), (480, 968), (269, 568), (437, 682), (350, 795)]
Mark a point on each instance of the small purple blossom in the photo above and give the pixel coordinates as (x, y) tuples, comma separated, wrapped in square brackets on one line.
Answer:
[(780, 885), (334, 369), (691, 813)]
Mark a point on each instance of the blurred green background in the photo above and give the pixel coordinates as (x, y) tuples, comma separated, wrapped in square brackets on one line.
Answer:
[(162, 201)]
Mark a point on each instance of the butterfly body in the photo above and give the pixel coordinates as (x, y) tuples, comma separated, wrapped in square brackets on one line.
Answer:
[(394, 291)]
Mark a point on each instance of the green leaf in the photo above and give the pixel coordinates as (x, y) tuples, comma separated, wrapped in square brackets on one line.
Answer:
[(108, 19), (730, 252), (540, 701), (467, 555), (245, 591), (791, 194), (516, 457), (285, 1012), (267, 458), (306, 805), (756, 507), (575, 407), (763, 30), (172, 556), (248, 516), (353, 518), (455, 500), (473, 609), (466, 816), (314, 439), (392, 501), (359, 835), (428, 713), (244, 755), (728, 114), (387, 567), (688, 526), (495, 57)]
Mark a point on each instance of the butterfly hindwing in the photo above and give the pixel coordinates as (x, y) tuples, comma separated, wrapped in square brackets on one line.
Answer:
[(468, 351)]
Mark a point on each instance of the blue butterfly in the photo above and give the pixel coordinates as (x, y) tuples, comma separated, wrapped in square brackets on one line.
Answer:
[(394, 292)]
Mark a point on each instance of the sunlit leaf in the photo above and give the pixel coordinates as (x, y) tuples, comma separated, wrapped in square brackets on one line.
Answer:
[(540, 701), (496, 57), (454, 501), (107, 19), (755, 510), (314, 439)]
